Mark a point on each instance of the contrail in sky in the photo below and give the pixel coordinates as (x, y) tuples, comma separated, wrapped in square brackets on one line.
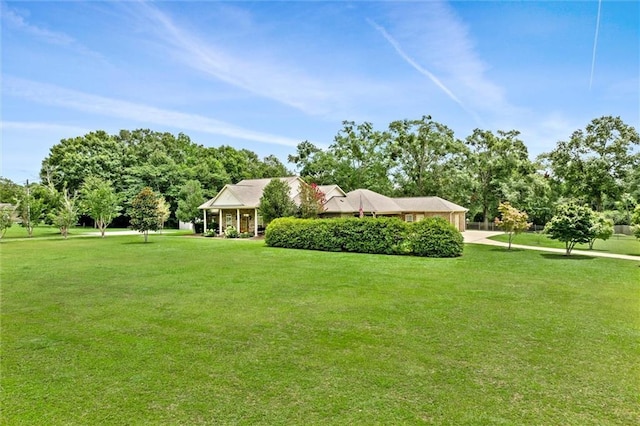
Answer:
[(421, 70), (595, 44)]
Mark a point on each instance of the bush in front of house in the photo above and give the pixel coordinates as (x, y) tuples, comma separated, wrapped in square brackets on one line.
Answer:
[(231, 232), (435, 237), (367, 235)]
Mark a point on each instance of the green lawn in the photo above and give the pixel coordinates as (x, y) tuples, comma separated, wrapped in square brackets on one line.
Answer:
[(18, 232), (620, 244), (198, 331)]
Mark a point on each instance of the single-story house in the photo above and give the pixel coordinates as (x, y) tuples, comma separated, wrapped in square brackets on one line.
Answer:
[(237, 205), (409, 209)]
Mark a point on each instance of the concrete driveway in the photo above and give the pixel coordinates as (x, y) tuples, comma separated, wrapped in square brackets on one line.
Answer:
[(482, 237)]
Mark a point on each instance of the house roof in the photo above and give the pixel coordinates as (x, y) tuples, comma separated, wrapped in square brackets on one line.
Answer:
[(247, 193), (372, 202), (428, 204)]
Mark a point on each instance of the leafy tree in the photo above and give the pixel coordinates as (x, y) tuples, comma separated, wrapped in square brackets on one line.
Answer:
[(572, 224), (493, 162), (144, 212), (271, 167), (100, 202), (427, 156), (9, 191), (594, 164), (512, 220), (31, 206), (635, 220), (66, 215), (315, 165), (189, 199), (95, 154), (602, 228), (311, 201), (6, 219), (361, 158), (276, 201), (163, 212)]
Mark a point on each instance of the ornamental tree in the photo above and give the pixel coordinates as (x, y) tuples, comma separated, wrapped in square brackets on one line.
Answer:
[(99, 201), (602, 229), (6, 219), (144, 212), (513, 221), (311, 201), (66, 215), (572, 224), (635, 220)]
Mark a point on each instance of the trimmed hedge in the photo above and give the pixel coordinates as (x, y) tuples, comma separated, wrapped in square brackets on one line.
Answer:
[(430, 237), (435, 237)]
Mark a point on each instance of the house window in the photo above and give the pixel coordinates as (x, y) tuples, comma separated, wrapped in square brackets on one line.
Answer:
[(408, 218), (229, 219), (419, 217)]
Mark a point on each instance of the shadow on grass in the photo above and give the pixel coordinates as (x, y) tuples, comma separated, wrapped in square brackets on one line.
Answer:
[(561, 256), (141, 242), (506, 250)]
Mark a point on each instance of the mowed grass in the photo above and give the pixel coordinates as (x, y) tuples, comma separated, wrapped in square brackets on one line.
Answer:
[(200, 331), (618, 243)]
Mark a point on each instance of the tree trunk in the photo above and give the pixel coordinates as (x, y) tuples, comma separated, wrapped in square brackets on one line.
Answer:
[(146, 234)]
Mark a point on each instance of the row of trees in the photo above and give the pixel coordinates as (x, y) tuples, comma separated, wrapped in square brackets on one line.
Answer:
[(572, 224), (598, 166)]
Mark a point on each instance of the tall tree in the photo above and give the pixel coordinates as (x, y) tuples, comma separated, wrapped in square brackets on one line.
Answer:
[(361, 158), (276, 201), (144, 212), (426, 153), (594, 163), (314, 164), (189, 199), (492, 161), (94, 154), (100, 202)]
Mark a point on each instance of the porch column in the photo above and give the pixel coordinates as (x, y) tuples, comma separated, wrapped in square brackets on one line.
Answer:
[(255, 222), (220, 222), (205, 221), (238, 220)]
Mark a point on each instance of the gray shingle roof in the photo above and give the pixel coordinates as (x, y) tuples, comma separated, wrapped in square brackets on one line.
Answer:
[(246, 193)]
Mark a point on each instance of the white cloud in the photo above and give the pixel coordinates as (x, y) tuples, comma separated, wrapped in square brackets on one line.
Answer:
[(276, 78), (60, 97), (434, 35), (16, 21)]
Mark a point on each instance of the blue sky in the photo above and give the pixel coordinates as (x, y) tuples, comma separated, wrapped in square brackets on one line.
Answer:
[(267, 75)]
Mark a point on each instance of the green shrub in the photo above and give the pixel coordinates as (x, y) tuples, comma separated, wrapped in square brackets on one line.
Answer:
[(367, 235), (435, 237), (231, 232)]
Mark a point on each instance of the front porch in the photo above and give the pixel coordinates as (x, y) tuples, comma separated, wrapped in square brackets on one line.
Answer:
[(244, 220)]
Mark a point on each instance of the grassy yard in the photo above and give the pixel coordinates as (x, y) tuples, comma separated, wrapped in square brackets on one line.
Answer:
[(620, 244), (198, 331)]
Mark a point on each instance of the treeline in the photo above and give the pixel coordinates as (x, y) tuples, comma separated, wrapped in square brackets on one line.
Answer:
[(598, 166)]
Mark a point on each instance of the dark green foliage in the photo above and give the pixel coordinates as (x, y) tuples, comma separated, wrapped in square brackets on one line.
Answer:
[(435, 237), (368, 235), (144, 212), (276, 201)]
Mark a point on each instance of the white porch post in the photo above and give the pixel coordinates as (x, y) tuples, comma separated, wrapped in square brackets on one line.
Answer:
[(205, 220), (220, 222), (255, 222), (238, 220)]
